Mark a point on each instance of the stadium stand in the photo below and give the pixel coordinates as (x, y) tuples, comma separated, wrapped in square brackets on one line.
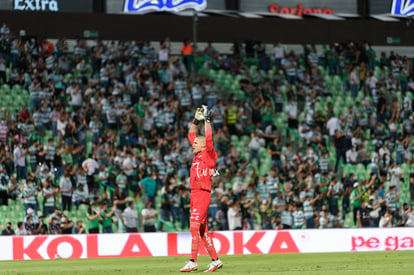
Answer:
[(310, 139)]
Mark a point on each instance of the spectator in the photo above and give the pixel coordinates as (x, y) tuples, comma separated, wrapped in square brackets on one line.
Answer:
[(48, 193), (19, 154), (129, 218), (363, 215), (4, 179), (54, 227), (8, 231), (148, 186), (94, 217), (106, 217), (386, 219), (21, 230), (79, 228), (149, 215), (298, 217), (66, 225), (234, 216), (80, 195), (66, 190)]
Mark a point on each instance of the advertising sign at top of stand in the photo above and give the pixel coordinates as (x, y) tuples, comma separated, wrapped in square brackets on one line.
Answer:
[(142, 6), (300, 7), (83, 6), (403, 7)]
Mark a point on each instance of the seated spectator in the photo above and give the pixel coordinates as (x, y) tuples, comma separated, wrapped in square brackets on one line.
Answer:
[(21, 230), (54, 227), (66, 225), (79, 228), (8, 231)]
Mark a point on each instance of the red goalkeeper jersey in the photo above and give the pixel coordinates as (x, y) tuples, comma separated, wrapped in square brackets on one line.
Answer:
[(204, 164)]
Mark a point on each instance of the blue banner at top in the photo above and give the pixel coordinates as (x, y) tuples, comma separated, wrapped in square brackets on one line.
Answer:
[(163, 5), (402, 7)]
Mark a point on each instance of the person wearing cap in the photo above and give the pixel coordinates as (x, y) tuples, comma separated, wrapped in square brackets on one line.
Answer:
[(356, 197), (32, 223)]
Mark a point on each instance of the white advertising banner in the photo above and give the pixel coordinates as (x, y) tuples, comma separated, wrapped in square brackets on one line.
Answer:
[(226, 242)]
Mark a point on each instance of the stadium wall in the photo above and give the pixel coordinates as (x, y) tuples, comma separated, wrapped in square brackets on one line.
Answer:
[(155, 27), (226, 242)]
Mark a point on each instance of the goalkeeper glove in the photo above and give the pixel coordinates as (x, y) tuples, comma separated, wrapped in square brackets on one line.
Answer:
[(206, 113), (199, 116)]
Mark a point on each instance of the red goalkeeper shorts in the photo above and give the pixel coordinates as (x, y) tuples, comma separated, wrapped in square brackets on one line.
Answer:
[(199, 203)]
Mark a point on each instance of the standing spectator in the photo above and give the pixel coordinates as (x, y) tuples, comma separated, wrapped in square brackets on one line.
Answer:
[(19, 154), (298, 217), (187, 54), (4, 180), (149, 214), (386, 220), (185, 208), (363, 215), (275, 150), (129, 218), (308, 211), (356, 197), (91, 167), (8, 231), (292, 114), (106, 217), (165, 206), (13, 189), (94, 218), (66, 190), (4, 131), (286, 217), (272, 183), (122, 182), (164, 52), (255, 144), (323, 218), (234, 216), (148, 186), (278, 53), (29, 195), (48, 194), (80, 195)]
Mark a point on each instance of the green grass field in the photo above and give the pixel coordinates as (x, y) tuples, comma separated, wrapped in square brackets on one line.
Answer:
[(334, 263)]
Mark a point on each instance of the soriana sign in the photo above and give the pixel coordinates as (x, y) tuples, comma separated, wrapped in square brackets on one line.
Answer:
[(299, 10), (226, 243)]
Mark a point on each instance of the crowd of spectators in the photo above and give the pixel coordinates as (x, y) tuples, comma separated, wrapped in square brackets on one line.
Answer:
[(104, 134)]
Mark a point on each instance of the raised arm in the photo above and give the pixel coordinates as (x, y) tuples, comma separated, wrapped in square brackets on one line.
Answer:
[(198, 118)]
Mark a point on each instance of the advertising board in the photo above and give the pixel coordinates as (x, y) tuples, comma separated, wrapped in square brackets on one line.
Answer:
[(226, 243), (82, 6)]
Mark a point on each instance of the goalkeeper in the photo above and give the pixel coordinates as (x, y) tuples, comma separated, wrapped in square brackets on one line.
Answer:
[(202, 169)]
